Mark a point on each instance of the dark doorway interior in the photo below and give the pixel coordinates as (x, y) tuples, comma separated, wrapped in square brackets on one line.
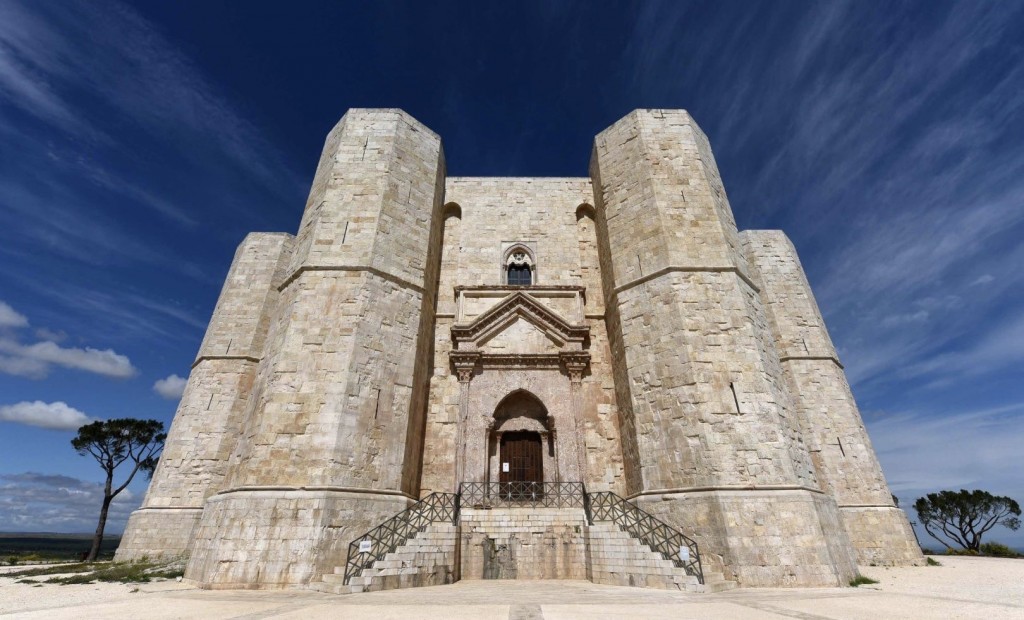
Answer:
[(522, 458)]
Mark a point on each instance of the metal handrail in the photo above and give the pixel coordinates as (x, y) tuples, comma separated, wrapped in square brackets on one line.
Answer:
[(396, 531), (523, 494), (652, 531)]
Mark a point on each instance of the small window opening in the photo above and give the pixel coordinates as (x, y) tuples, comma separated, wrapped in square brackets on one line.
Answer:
[(520, 275), (519, 267)]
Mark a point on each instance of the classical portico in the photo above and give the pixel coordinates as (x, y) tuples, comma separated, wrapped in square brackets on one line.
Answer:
[(520, 354)]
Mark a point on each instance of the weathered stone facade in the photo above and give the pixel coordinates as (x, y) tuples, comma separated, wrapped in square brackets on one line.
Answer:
[(391, 349)]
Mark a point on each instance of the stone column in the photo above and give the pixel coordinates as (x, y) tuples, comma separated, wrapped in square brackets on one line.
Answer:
[(575, 366), (465, 366)]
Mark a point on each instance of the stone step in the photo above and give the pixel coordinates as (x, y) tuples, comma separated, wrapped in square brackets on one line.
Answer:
[(426, 559)]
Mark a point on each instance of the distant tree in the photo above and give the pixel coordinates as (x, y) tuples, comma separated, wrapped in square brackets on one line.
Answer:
[(963, 516), (113, 443)]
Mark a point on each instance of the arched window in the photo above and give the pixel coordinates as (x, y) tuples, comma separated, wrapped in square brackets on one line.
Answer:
[(519, 267), (519, 275)]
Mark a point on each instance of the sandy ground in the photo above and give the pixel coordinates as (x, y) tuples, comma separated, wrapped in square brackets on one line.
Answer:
[(962, 587)]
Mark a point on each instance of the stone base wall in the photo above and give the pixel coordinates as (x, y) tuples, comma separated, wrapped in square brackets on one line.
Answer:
[(158, 533), (881, 536), (523, 543), (763, 538), (267, 539)]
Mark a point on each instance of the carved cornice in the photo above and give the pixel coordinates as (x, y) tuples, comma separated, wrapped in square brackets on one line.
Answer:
[(532, 361), (513, 287), (467, 357), (519, 303)]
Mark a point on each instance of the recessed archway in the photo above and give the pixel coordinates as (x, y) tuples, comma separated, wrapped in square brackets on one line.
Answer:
[(522, 444)]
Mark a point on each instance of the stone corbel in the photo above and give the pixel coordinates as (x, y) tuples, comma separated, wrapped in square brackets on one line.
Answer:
[(465, 363), (575, 364)]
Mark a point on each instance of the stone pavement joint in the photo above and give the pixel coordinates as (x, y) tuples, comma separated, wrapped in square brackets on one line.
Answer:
[(782, 611), (525, 612)]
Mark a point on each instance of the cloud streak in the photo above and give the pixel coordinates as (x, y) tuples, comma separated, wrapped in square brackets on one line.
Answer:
[(34, 502), (50, 56), (53, 416), (927, 451), (34, 361)]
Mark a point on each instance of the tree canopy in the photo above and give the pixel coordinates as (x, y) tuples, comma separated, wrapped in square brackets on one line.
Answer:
[(962, 517), (113, 443)]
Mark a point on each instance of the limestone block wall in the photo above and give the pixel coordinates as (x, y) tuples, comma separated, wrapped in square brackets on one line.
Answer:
[(205, 428), (844, 459), (709, 405), (766, 538), (522, 543), (545, 214), (332, 442)]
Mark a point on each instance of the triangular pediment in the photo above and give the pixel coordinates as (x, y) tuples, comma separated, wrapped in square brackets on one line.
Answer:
[(519, 321), (520, 335)]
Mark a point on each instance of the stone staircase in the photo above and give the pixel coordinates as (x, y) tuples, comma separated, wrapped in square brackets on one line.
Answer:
[(428, 559), (617, 558), (522, 543)]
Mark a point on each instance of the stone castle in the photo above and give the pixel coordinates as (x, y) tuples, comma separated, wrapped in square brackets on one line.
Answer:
[(495, 342)]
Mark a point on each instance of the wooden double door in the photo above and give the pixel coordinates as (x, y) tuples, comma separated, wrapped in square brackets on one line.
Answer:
[(522, 459)]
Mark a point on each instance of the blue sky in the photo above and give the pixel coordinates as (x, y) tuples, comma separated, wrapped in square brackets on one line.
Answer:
[(140, 143)]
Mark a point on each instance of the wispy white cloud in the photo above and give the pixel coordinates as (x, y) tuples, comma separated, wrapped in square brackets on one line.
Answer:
[(106, 362), (50, 335), (35, 360), (926, 451), (897, 146), (171, 387), (54, 416), (51, 55), (10, 318), (34, 502)]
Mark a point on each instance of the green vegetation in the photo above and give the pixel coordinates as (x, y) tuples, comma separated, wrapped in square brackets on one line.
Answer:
[(992, 549), (962, 517), (113, 443), (861, 580), (123, 572), (998, 550), (933, 562), (56, 569), (89, 572)]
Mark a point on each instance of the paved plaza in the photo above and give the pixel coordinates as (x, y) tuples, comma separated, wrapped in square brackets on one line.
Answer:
[(986, 588)]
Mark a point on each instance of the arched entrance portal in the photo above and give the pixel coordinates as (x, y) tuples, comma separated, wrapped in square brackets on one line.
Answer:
[(522, 444)]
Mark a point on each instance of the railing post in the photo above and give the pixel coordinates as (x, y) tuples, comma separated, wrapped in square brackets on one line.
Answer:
[(586, 505), (458, 506)]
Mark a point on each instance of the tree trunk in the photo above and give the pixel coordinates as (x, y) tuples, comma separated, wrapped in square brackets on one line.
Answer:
[(97, 540)]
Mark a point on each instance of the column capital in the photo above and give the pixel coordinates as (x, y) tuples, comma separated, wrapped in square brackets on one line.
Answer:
[(575, 363), (465, 363)]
